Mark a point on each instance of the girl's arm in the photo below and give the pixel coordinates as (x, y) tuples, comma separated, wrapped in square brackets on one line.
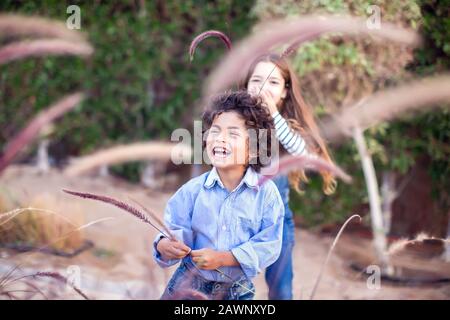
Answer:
[(291, 140)]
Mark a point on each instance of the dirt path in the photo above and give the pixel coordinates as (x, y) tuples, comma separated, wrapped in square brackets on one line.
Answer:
[(120, 266)]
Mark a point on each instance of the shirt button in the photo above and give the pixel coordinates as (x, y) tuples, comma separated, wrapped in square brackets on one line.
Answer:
[(224, 227)]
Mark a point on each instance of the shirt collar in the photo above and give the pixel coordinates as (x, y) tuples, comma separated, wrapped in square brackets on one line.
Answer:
[(250, 179)]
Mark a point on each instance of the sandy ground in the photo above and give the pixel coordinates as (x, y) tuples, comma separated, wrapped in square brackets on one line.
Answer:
[(120, 266)]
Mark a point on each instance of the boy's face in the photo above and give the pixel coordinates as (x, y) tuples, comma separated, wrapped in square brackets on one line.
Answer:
[(227, 141)]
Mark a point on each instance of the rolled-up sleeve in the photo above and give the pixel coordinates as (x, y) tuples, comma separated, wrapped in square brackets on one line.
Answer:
[(177, 217), (263, 248)]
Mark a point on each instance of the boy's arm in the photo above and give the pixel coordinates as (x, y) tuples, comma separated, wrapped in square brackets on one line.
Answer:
[(177, 217), (263, 248), (210, 259)]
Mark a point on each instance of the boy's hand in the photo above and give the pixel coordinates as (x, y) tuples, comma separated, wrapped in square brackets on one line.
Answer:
[(207, 258), (172, 249)]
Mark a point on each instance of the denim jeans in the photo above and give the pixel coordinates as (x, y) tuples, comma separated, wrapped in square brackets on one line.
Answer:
[(186, 284), (279, 275)]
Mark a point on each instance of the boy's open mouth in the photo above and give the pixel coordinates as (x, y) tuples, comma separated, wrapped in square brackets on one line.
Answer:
[(221, 152)]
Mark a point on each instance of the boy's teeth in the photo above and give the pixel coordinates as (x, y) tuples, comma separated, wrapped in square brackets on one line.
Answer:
[(220, 151)]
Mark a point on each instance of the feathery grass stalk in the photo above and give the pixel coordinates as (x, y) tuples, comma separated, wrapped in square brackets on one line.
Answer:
[(336, 239), (289, 162), (35, 125), (19, 25), (54, 275), (42, 47), (291, 49), (204, 35), (122, 205), (236, 63), (30, 284), (84, 226), (401, 245), (167, 233), (131, 152), (14, 213), (6, 280), (61, 278), (11, 296), (6, 277), (388, 104)]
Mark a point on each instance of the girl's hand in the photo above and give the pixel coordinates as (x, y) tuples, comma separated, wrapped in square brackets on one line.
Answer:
[(172, 249), (207, 258), (267, 99)]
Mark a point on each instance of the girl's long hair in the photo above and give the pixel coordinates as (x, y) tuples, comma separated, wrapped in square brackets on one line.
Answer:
[(300, 118)]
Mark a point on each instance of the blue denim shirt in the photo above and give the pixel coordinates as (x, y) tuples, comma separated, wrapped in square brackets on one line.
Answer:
[(247, 221)]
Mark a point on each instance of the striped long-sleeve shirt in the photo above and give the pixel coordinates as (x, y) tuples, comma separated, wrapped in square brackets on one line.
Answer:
[(291, 140)]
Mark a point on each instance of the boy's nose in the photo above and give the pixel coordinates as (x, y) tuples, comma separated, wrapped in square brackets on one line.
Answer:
[(220, 138)]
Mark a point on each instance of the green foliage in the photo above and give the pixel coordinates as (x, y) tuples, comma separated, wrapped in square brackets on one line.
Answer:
[(141, 85), (324, 67), (311, 56), (431, 131), (139, 80)]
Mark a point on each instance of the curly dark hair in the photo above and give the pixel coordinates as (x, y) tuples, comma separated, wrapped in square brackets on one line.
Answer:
[(252, 111)]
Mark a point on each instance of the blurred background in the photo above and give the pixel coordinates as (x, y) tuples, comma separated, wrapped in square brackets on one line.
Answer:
[(140, 86)]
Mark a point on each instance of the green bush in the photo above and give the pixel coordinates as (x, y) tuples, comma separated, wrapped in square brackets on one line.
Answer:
[(139, 80), (331, 68)]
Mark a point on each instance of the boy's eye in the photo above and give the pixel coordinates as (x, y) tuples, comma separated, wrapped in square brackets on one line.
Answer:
[(254, 80), (274, 82), (234, 134)]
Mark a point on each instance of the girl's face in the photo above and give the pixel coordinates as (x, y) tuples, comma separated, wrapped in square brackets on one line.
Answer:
[(268, 76), (226, 141)]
